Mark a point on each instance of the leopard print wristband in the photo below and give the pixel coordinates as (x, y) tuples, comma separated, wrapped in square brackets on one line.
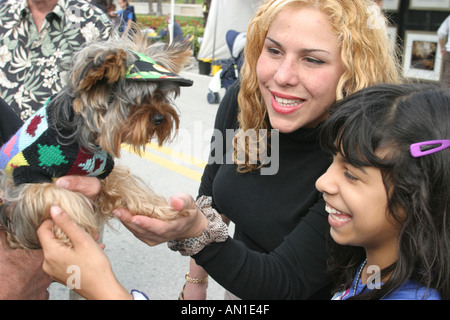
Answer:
[(216, 231)]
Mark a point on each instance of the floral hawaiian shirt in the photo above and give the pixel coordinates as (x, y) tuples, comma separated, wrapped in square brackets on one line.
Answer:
[(31, 61)]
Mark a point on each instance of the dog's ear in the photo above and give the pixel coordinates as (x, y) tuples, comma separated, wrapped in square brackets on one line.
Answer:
[(107, 67), (174, 56), (181, 55)]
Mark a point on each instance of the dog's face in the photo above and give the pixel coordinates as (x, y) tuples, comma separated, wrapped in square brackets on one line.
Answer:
[(154, 117), (123, 89)]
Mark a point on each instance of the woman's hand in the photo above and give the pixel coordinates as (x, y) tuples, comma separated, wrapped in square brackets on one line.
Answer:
[(155, 231), (84, 267), (89, 186), (149, 230)]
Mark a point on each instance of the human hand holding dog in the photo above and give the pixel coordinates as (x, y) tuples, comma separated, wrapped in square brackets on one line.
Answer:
[(89, 186), (96, 278), (155, 231), (149, 230), (21, 274)]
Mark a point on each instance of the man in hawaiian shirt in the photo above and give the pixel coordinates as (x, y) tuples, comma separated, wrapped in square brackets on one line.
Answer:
[(38, 37)]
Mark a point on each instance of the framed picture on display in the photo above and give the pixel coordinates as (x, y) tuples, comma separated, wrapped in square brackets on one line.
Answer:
[(422, 56), (430, 4)]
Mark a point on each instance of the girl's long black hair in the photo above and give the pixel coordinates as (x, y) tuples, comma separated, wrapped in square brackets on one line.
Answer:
[(390, 118)]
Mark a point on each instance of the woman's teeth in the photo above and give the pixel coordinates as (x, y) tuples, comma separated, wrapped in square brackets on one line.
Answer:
[(288, 102)]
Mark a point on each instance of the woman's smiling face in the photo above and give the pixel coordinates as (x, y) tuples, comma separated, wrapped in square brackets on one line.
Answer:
[(299, 69)]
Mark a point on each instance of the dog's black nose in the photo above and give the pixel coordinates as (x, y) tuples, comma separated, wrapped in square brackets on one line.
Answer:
[(158, 119)]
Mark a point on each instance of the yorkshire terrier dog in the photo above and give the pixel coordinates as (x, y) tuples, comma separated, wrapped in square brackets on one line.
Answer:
[(117, 91)]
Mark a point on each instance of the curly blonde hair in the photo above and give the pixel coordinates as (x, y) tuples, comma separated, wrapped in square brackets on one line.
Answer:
[(366, 53)]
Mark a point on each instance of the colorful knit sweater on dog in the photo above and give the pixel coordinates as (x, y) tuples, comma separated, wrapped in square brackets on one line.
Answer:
[(36, 153)]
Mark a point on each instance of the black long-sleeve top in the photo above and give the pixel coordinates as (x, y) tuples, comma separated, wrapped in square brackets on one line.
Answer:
[(279, 247), (9, 122)]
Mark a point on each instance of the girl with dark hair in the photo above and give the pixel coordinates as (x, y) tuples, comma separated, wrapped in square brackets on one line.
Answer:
[(387, 193)]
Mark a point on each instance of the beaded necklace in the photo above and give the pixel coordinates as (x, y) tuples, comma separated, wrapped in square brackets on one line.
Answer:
[(358, 276)]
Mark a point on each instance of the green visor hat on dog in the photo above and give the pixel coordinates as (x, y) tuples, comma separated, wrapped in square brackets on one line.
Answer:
[(145, 69)]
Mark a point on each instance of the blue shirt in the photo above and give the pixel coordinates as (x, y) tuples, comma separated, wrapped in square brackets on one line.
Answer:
[(411, 290), (124, 16)]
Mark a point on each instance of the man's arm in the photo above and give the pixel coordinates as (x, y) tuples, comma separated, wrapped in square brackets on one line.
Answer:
[(21, 274)]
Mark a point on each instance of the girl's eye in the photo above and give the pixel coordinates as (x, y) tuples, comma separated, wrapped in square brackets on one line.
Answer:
[(350, 176)]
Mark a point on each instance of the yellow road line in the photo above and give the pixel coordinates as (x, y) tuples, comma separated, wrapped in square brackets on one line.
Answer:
[(168, 164), (176, 154)]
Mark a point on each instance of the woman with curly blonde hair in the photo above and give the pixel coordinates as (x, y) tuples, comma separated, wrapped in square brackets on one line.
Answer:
[(301, 56), (366, 56), (292, 73)]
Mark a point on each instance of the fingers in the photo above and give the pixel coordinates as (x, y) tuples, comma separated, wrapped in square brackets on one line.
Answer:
[(89, 186), (176, 203), (155, 231), (62, 220), (182, 201), (76, 234), (137, 223), (45, 234), (151, 231)]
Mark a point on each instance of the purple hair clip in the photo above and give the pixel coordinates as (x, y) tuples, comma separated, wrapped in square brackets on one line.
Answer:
[(420, 149)]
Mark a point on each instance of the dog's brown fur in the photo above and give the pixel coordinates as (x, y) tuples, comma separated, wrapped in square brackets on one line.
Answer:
[(109, 111)]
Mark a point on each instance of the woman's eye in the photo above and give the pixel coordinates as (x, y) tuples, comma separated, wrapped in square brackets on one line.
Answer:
[(273, 51), (315, 61)]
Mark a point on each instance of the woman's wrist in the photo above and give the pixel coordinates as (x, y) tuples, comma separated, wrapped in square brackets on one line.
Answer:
[(103, 287), (201, 224), (196, 280), (113, 292), (216, 231)]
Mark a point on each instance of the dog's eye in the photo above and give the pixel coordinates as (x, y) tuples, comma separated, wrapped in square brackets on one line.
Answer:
[(158, 119)]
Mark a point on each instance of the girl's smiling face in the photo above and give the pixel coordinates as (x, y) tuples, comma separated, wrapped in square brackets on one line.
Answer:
[(357, 204), (299, 69)]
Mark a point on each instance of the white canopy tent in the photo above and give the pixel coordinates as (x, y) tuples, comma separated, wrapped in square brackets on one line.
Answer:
[(225, 15)]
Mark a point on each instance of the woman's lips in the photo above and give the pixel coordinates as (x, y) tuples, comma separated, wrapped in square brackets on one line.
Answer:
[(284, 104)]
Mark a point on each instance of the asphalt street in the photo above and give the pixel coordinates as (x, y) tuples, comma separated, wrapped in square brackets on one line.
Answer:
[(158, 271)]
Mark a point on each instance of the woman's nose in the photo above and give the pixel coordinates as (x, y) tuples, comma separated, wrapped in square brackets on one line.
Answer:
[(287, 73)]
